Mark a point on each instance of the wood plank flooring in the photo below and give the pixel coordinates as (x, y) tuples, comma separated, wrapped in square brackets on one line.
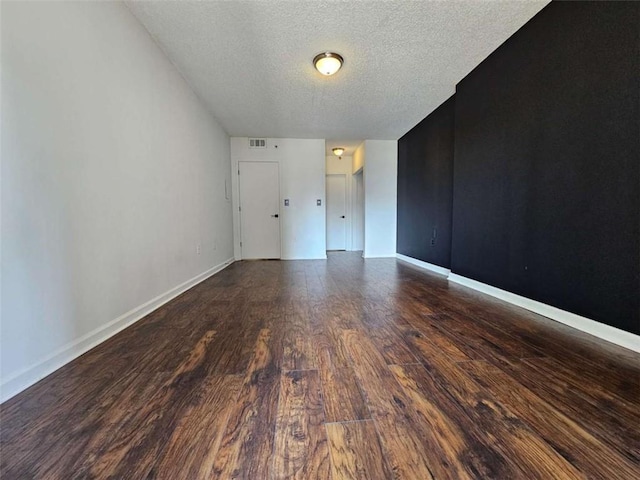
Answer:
[(337, 369)]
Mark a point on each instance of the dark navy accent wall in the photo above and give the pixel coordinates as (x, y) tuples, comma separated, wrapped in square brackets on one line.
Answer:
[(546, 180), (425, 188)]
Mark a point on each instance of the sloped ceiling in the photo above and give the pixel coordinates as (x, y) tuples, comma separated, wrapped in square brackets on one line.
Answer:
[(251, 62)]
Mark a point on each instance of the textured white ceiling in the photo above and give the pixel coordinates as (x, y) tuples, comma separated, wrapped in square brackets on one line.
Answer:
[(251, 61)]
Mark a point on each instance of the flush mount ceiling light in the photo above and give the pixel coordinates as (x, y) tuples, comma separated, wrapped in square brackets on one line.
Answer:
[(328, 63), (337, 151)]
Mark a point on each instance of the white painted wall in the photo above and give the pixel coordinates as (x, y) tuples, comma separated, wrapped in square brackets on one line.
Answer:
[(112, 173), (358, 158), (343, 165), (302, 181), (358, 211), (380, 159), (339, 164)]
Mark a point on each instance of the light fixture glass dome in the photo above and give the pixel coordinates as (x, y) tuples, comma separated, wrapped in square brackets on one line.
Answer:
[(337, 151), (328, 63)]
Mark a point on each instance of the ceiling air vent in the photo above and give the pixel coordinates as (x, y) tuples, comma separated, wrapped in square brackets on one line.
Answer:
[(257, 143)]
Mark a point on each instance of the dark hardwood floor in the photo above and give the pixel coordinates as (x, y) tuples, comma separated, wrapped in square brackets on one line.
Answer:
[(333, 369)]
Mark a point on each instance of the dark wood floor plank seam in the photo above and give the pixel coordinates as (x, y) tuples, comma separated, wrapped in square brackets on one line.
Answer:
[(542, 462), (545, 324), (273, 433), (242, 439), (385, 454), (406, 447), (614, 432), (350, 421), (301, 440), (358, 386), (577, 445), (470, 361), (355, 453), (402, 364)]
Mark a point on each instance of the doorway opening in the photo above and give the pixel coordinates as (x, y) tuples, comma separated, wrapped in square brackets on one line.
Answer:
[(336, 185)]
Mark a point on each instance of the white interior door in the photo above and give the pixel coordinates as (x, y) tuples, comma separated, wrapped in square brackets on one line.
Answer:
[(336, 212), (259, 209)]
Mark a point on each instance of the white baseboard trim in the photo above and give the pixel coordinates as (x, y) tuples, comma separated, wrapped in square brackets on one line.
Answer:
[(597, 329), (30, 375), (289, 258), (322, 257), (381, 255), (424, 265)]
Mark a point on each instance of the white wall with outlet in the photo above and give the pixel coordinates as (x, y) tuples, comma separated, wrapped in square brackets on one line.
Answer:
[(302, 182), (342, 166), (113, 182), (380, 161)]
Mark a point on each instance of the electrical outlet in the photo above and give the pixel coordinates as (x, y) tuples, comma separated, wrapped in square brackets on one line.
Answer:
[(433, 242), (198, 249), (215, 244)]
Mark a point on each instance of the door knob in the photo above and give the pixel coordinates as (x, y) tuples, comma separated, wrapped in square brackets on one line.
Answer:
[(276, 215)]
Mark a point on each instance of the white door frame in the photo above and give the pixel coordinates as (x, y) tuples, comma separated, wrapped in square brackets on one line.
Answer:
[(357, 213)]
